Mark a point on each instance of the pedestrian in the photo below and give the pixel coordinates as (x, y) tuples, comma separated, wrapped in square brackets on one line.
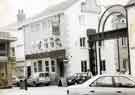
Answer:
[(59, 83), (25, 84)]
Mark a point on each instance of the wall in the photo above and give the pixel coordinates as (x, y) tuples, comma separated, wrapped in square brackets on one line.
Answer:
[(131, 32), (76, 29)]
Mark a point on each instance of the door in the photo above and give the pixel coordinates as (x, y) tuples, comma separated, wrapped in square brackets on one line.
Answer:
[(28, 71), (124, 85), (103, 86)]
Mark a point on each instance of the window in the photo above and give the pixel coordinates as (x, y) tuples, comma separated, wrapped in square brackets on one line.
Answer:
[(35, 66), (82, 42), (40, 66), (45, 43), (84, 66), (103, 82), (125, 65), (124, 41), (51, 42), (55, 30), (47, 66), (58, 42), (35, 27), (82, 19), (103, 65), (12, 51), (123, 82), (53, 65)]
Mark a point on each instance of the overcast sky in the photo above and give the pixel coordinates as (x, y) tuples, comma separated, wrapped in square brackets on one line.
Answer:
[(8, 8)]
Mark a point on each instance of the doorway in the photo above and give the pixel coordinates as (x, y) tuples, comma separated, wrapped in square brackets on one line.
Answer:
[(28, 71), (60, 67)]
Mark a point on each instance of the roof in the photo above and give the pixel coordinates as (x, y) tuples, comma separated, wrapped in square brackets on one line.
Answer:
[(131, 2), (56, 8)]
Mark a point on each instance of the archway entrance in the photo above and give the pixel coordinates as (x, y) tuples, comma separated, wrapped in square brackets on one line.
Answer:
[(97, 64)]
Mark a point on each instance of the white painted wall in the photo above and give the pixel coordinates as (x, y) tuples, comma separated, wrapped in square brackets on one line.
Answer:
[(131, 31), (75, 30)]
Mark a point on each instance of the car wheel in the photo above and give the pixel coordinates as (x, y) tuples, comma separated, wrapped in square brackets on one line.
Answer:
[(34, 84)]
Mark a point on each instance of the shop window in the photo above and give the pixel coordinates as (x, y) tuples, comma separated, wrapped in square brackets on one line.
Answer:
[(82, 42), (124, 41), (35, 66), (53, 65), (103, 65), (40, 66), (47, 66), (125, 65), (84, 66)]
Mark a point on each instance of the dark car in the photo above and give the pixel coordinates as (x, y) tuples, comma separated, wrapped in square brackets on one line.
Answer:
[(77, 78)]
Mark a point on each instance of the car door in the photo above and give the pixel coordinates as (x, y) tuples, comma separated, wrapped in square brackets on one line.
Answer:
[(102, 86), (125, 85)]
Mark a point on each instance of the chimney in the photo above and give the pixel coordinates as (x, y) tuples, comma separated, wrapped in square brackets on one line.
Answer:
[(20, 16)]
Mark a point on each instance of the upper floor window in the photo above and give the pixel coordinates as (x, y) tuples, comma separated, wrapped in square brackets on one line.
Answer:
[(35, 27), (46, 43), (55, 29), (12, 51), (52, 42), (82, 42), (82, 19), (58, 42)]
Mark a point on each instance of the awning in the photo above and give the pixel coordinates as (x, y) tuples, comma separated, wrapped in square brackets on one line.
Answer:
[(52, 54)]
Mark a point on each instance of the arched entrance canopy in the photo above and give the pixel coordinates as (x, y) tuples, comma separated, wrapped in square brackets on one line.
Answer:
[(105, 35), (114, 9)]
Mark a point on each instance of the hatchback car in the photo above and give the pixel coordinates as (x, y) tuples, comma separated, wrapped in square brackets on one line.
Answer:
[(39, 78), (105, 85), (77, 78)]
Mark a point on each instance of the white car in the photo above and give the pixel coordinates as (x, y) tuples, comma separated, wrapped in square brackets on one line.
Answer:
[(105, 85)]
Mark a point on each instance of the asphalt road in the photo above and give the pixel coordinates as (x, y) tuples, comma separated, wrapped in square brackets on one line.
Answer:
[(46, 90)]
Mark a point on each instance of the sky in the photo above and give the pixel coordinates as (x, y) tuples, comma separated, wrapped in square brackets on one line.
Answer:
[(9, 8)]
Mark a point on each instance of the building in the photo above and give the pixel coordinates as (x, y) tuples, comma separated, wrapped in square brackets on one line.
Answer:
[(131, 32), (109, 47), (7, 58), (55, 40)]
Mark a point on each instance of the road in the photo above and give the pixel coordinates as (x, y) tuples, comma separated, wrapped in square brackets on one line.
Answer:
[(46, 90)]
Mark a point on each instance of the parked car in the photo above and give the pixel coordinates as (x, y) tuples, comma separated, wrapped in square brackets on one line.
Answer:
[(105, 85), (15, 81), (39, 78), (77, 78)]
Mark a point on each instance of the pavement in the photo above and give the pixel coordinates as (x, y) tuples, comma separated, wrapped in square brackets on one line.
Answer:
[(46, 90)]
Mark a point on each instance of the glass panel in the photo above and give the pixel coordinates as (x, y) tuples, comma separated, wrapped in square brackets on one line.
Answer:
[(123, 82), (103, 82)]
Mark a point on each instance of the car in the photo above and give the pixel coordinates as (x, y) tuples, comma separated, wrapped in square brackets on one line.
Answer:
[(77, 78), (39, 78), (105, 85)]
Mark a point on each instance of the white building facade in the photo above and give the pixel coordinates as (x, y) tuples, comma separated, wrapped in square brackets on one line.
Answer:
[(55, 41)]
